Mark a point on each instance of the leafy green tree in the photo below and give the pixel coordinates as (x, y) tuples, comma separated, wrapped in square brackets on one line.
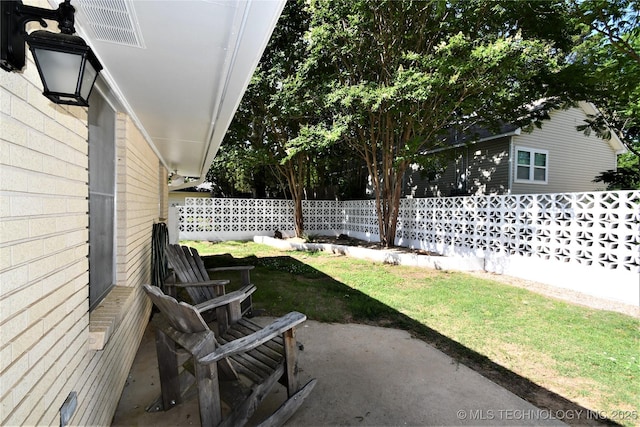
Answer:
[(274, 139), (270, 114), (398, 77), (610, 56), (235, 171)]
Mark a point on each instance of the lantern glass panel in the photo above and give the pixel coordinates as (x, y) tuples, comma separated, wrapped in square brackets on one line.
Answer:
[(59, 70), (88, 79)]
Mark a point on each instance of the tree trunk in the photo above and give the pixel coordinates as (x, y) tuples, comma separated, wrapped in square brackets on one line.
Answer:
[(388, 198), (297, 215), (294, 172)]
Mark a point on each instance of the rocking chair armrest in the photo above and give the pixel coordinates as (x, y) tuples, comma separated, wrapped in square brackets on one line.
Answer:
[(226, 299), (219, 282), (232, 268), (249, 342)]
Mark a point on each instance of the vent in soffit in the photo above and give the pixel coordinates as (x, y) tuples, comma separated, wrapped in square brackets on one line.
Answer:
[(113, 21)]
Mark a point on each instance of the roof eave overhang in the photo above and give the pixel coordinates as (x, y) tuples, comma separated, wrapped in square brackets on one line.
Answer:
[(516, 131)]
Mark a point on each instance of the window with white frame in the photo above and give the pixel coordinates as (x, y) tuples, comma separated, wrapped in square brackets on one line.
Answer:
[(532, 165)]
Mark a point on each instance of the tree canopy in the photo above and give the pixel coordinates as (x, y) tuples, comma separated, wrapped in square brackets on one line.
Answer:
[(400, 78), (392, 81), (610, 55)]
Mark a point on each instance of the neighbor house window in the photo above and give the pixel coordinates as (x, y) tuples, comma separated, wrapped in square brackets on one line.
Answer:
[(532, 165), (102, 186)]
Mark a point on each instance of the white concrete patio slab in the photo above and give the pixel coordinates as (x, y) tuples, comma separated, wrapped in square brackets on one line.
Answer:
[(366, 376)]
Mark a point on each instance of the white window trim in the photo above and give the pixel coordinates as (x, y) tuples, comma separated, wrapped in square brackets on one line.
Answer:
[(533, 152)]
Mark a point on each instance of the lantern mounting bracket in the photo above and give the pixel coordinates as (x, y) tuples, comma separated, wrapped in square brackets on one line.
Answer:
[(67, 66), (13, 20)]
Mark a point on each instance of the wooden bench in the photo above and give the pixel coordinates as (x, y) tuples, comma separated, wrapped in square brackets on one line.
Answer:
[(238, 368)]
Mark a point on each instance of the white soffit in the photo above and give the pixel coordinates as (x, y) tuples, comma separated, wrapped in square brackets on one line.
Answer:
[(179, 68)]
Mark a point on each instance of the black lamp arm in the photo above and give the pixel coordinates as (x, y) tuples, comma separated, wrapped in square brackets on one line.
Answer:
[(14, 16), (64, 15)]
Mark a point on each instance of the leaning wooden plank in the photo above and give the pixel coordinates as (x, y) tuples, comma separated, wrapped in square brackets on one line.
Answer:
[(197, 294), (288, 408), (180, 265), (252, 341), (179, 261), (198, 262), (242, 413), (192, 263)]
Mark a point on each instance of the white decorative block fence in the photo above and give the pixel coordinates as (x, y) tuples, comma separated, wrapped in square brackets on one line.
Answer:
[(233, 219), (600, 229), (584, 241)]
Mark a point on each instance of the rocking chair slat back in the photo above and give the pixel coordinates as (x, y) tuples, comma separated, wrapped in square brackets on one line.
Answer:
[(186, 268), (182, 317)]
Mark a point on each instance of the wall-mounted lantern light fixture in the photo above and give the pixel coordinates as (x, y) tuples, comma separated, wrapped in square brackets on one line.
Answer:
[(67, 66)]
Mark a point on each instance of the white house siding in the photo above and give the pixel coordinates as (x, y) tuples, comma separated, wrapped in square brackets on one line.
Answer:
[(44, 320), (574, 159)]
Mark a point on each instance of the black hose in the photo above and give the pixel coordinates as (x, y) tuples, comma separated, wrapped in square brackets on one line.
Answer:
[(159, 244)]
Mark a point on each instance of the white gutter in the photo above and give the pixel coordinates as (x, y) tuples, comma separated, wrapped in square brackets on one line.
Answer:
[(219, 125)]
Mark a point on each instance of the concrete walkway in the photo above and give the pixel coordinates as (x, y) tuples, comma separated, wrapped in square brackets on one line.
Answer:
[(366, 376)]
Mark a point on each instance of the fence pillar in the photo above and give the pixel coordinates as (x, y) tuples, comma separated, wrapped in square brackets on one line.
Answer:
[(173, 226)]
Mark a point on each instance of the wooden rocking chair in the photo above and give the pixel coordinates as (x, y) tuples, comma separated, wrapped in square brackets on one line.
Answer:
[(238, 368), (194, 277)]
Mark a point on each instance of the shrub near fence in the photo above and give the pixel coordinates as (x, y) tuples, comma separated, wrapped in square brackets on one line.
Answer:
[(584, 241)]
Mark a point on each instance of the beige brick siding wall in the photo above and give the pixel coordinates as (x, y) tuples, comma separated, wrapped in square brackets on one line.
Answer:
[(104, 373), (44, 318), (138, 194), (137, 206), (43, 250)]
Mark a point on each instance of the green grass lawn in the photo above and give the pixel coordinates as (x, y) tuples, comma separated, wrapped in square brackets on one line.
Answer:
[(509, 334)]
